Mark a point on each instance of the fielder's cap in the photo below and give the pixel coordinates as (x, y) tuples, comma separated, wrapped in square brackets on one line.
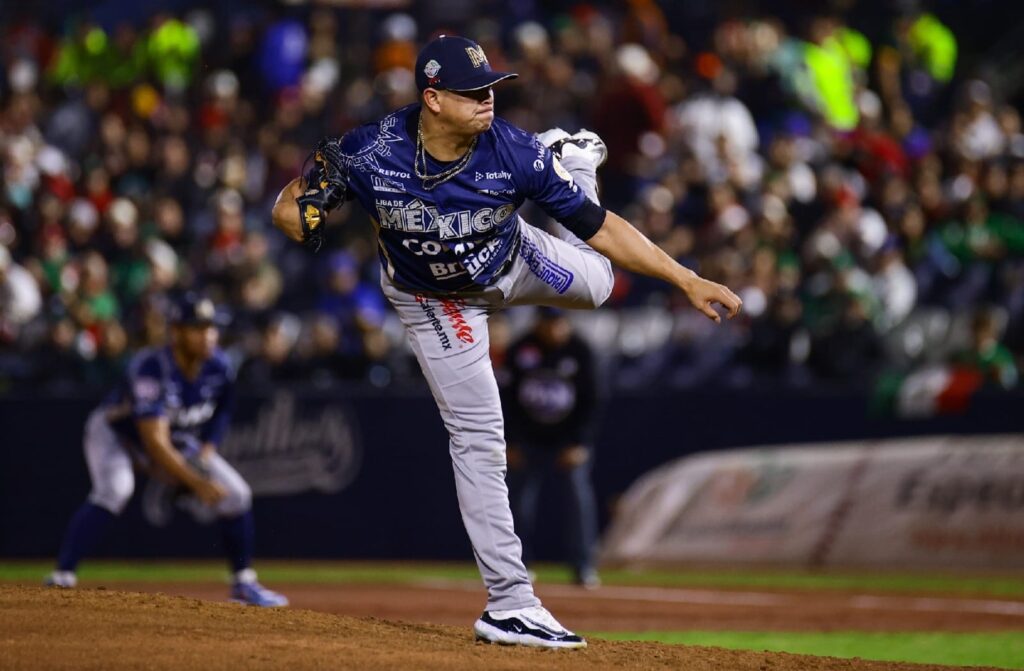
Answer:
[(194, 309), (455, 64)]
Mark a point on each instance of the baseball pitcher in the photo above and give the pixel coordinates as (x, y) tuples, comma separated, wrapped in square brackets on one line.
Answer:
[(443, 181)]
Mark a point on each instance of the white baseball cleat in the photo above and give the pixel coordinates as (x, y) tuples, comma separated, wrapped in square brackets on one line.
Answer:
[(255, 594), (534, 627), (552, 137), (65, 579), (585, 143)]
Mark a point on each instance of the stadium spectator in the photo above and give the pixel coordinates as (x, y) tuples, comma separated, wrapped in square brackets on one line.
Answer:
[(20, 299), (130, 171), (550, 397), (986, 355)]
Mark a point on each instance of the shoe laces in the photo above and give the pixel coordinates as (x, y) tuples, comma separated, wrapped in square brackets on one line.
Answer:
[(553, 138), (540, 615)]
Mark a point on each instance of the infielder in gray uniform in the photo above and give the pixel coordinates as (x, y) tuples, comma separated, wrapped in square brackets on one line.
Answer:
[(442, 181), (167, 417)]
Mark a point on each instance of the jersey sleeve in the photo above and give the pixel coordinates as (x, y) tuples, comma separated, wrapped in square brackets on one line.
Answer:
[(544, 180), (146, 389)]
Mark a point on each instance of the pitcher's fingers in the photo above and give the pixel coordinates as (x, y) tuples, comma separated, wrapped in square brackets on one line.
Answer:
[(734, 306), (729, 301), (709, 311)]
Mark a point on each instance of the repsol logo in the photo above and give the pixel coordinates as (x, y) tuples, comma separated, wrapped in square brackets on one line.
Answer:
[(394, 173), (419, 218), (949, 494)]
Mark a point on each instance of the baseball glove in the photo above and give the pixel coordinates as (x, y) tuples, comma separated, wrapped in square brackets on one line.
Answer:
[(161, 495), (325, 189), (188, 445)]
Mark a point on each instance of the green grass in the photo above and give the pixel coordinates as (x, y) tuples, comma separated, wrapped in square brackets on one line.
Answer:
[(1002, 650), (271, 571), (398, 572), (752, 578)]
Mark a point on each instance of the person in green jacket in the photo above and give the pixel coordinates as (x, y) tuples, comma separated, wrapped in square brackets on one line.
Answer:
[(986, 354)]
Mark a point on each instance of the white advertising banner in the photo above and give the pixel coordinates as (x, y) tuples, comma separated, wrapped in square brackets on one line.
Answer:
[(945, 502), (940, 501)]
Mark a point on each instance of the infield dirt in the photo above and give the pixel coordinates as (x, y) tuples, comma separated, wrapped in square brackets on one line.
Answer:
[(105, 629)]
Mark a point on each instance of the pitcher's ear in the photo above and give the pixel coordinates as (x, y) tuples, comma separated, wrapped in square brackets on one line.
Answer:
[(432, 100)]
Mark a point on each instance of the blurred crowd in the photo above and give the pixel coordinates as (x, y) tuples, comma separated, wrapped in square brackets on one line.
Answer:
[(844, 181)]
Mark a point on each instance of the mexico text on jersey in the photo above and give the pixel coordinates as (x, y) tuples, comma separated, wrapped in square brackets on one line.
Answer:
[(462, 234)]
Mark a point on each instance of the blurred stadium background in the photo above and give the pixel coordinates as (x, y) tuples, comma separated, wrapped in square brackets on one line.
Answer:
[(854, 170)]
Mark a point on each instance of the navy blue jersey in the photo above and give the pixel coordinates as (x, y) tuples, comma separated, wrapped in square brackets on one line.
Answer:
[(550, 394), (153, 386), (462, 234)]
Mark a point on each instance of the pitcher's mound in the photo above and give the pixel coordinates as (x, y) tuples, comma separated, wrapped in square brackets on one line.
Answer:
[(43, 628)]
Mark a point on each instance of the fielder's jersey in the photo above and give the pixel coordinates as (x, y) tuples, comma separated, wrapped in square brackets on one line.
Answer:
[(462, 234), (198, 410)]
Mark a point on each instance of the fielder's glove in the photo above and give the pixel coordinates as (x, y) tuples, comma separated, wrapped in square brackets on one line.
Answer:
[(188, 445), (326, 188)]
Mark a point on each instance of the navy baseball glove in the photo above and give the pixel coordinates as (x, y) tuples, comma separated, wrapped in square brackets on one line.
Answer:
[(325, 189)]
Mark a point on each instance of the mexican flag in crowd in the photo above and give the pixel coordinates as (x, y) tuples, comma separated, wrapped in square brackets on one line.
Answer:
[(936, 390), (945, 388)]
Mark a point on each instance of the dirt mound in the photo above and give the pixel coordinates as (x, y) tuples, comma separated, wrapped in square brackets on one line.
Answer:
[(104, 629)]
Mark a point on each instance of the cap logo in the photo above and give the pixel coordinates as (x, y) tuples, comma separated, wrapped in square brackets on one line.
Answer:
[(431, 68), (205, 310), (476, 56)]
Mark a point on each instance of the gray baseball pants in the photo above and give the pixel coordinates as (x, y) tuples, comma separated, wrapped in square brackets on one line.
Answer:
[(450, 339), (113, 475)]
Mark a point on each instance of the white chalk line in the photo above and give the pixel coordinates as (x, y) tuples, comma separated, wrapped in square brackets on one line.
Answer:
[(757, 599)]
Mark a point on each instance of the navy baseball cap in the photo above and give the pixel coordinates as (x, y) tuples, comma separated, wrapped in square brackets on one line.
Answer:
[(193, 309), (455, 64)]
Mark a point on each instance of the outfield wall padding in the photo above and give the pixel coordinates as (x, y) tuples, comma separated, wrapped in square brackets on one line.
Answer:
[(930, 502), (365, 473)]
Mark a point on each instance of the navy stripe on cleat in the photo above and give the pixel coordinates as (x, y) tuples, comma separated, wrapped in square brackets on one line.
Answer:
[(533, 627), (583, 143)]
